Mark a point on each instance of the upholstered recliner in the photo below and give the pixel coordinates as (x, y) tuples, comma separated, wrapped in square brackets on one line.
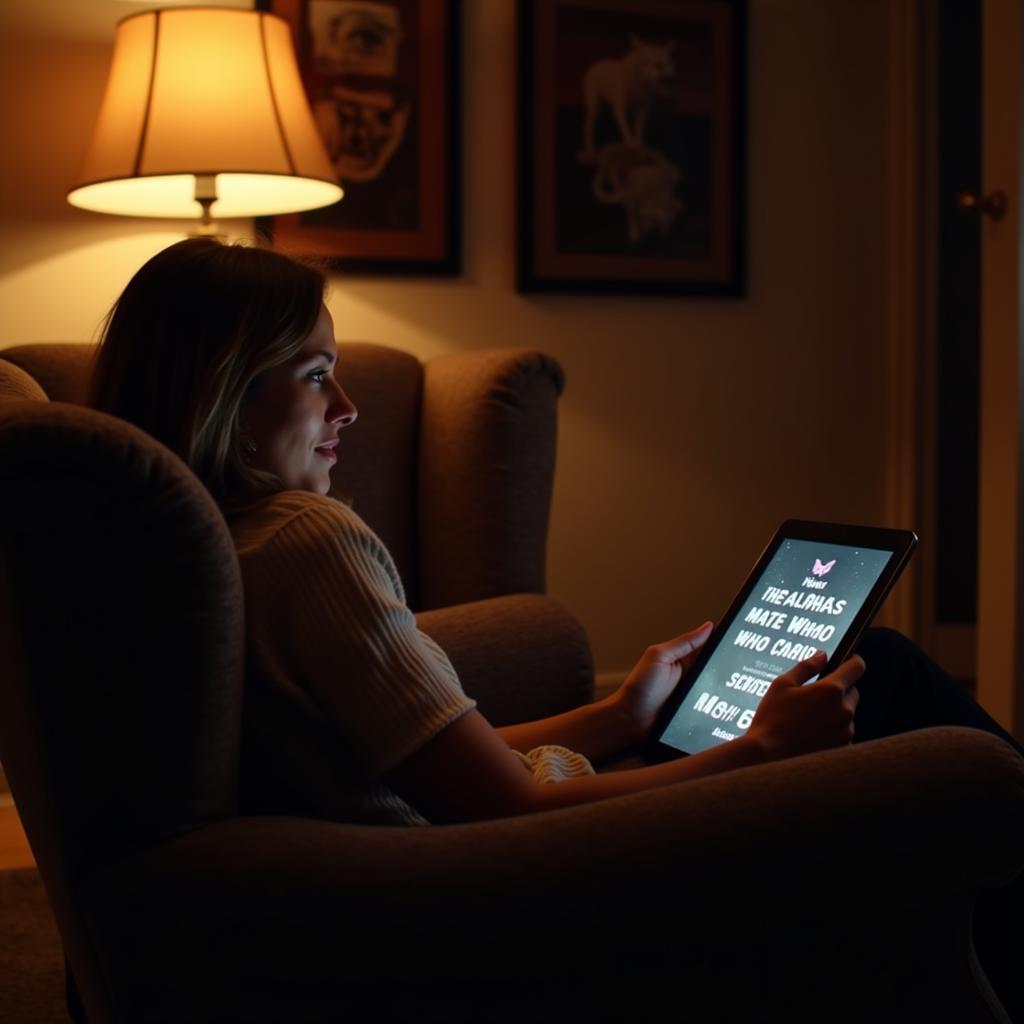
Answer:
[(451, 463), (836, 887)]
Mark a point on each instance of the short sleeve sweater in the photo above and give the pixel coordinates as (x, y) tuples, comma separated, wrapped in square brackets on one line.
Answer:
[(326, 614)]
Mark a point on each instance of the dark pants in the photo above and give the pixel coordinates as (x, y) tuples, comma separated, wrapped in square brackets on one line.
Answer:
[(902, 690)]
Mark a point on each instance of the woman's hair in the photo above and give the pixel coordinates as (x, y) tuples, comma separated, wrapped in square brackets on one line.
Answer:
[(190, 335)]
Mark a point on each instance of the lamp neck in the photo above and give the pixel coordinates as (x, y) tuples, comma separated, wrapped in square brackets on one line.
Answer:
[(206, 194)]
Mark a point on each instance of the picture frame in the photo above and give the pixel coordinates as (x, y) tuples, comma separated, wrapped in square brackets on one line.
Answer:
[(632, 146), (383, 81)]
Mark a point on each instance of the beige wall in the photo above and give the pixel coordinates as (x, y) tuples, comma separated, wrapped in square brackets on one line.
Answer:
[(690, 427)]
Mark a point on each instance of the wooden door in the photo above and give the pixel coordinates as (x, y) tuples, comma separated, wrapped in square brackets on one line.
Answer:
[(1000, 628)]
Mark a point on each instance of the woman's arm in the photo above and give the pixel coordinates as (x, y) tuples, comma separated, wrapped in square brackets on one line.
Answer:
[(597, 731), (467, 772)]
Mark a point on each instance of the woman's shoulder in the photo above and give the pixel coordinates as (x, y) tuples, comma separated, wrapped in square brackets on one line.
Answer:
[(291, 514)]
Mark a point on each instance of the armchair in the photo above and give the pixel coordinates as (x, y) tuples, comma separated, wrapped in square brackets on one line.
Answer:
[(451, 463), (836, 886)]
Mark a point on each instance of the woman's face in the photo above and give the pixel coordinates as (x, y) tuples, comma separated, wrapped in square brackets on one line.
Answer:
[(295, 412)]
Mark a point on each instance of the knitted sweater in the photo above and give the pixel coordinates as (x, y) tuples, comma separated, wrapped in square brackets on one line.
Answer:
[(332, 641)]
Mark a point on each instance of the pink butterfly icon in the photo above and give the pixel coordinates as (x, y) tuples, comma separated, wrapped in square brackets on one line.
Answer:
[(820, 568)]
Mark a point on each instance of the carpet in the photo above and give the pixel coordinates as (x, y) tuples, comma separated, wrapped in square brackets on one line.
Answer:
[(31, 957)]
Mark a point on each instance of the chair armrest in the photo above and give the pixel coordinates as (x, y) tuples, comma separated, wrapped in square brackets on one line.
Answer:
[(487, 456), (842, 880), (521, 657)]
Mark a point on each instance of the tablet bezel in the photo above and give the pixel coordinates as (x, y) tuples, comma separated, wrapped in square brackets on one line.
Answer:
[(900, 542)]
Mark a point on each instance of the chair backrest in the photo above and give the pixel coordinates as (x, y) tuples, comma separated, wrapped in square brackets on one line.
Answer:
[(121, 647), (16, 384), (378, 458), (377, 468), (61, 369)]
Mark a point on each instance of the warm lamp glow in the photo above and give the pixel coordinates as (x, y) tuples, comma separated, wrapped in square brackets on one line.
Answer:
[(204, 107), (174, 195)]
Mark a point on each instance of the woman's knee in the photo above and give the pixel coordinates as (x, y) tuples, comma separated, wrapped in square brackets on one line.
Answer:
[(881, 642)]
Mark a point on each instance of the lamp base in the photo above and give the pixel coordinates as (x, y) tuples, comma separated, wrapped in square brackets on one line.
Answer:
[(207, 229)]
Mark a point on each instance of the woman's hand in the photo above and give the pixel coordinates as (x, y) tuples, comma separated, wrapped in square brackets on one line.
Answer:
[(794, 718), (639, 699)]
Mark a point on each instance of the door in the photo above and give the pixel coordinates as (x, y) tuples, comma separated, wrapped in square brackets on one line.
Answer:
[(1000, 637)]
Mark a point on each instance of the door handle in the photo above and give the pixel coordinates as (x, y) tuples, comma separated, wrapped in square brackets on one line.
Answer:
[(993, 205)]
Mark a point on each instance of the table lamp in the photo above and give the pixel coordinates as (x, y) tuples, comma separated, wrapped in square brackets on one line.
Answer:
[(204, 116)]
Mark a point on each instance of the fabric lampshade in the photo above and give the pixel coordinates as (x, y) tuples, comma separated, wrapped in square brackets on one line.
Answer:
[(204, 103)]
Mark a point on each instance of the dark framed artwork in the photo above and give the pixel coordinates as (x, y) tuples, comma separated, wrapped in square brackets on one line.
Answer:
[(632, 124), (382, 80)]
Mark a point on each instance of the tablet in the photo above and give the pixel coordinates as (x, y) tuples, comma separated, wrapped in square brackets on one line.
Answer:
[(815, 587)]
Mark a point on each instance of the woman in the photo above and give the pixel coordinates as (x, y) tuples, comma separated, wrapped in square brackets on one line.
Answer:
[(226, 354)]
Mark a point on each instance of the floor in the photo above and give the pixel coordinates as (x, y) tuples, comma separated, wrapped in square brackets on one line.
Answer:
[(14, 849), (31, 956)]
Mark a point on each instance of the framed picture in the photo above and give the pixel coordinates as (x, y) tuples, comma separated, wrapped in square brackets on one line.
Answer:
[(382, 77), (632, 146)]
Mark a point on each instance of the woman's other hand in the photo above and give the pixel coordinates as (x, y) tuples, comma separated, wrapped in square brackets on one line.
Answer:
[(639, 699), (794, 718)]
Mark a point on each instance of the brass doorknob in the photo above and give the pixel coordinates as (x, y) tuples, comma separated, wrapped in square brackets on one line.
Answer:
[(994, 204)]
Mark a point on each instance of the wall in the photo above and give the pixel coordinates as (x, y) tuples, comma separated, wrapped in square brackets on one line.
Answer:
[(690, 427)]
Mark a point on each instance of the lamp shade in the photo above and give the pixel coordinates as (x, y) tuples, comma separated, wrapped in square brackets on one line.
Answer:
[(203, 103)]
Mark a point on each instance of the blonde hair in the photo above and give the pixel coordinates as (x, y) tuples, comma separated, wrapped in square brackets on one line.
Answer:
[(188, 340)]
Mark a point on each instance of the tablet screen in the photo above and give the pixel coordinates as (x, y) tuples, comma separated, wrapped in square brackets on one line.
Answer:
[(804, 601)]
